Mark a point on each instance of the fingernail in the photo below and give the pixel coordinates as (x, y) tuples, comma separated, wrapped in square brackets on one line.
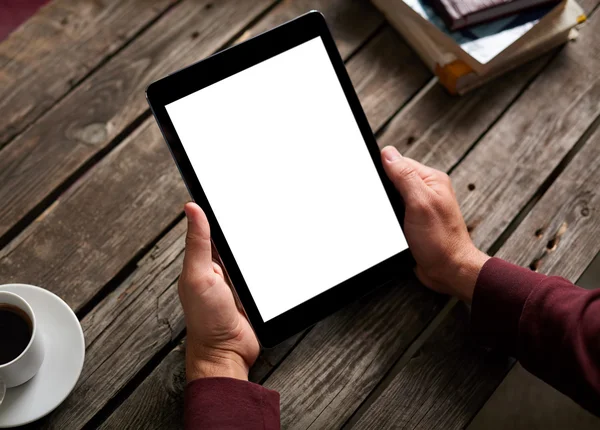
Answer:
[(391, 154), (187, 211)]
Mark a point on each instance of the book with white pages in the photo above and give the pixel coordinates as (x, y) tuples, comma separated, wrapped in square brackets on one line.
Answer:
[(457, 76), (480, 47)]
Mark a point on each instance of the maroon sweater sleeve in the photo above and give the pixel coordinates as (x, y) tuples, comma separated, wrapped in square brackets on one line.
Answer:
[(227, 403), (550, 325)]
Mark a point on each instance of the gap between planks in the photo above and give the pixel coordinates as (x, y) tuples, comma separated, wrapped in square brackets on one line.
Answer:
[(102, 415), (46, 202), (575, 193), (425, 337), (453, 302), (75, 83), (132, 385), (404, 358), (497, 245), (132, 264), (545, 187), (565, 159)]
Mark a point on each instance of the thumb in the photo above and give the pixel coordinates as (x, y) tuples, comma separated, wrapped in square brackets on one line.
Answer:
[(404, 175), (198, 253)]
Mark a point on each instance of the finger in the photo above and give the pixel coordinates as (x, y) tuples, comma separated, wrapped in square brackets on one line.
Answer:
[(422, 170), (405, 175), (197, 260)]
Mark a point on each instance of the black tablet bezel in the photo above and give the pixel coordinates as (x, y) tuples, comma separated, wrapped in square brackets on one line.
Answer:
[(230, 62)]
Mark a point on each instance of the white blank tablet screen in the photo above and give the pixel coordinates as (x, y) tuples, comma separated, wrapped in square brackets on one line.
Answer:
[(289, 177)]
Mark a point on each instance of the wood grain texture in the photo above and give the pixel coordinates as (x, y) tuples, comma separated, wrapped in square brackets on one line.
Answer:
[(158, 402), (90, 233), (403, 298), (114, 97), (311, 398), (145, 303), (339, 362), (108, 195), (102, 107), (332, 413), (458, 377), (386, 74), (45, 57), (350, 21), (560, 235), (437, 128), (390, 74), (518, 153), (443, 383), (124, 331)]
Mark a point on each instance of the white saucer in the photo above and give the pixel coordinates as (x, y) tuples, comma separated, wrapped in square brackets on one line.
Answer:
[(64, 350)]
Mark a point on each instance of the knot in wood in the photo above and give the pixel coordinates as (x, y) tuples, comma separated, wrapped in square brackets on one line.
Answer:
[(93, 134)]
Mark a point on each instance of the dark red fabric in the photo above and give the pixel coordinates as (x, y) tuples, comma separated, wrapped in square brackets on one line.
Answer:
[(227, 403), (15, 12), (550, 325)]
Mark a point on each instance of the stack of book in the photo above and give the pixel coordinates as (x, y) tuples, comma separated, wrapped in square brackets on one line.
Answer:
[(469, 42)]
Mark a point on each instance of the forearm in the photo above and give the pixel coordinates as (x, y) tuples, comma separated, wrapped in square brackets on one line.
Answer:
[(549, 324)]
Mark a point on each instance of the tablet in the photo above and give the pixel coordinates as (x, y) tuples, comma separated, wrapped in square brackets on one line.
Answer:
[(272, 143)]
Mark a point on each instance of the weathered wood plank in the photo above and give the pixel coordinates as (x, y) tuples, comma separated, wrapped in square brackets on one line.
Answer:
[(313, 351), (350, 21), (442, 381), (103, 106), (124, 332), (158, 402), (146, 304), (582, 98), (386, 74), (566, 219), (106, 200), (45, 57), (341, 369), (152, 408), (55, 153), (514, 158), (437, 128), (132, 413), (459, 377), (90, 233)]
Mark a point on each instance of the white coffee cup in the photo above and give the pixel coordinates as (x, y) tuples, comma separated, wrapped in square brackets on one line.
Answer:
[(25, 366)]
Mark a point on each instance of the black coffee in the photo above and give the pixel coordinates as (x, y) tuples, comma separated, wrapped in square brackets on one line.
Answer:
[(15, 332)]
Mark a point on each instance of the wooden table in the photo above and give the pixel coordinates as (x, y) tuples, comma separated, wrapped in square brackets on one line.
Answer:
[(91, 206)]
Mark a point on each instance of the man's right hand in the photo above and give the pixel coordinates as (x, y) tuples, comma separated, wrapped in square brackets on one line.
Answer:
[(447, 260)]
